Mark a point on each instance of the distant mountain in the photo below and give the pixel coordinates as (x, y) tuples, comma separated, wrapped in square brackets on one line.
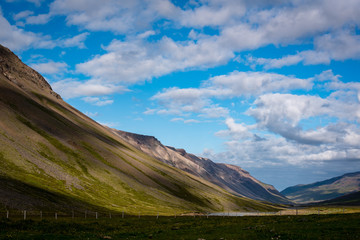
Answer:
[(230, 177), (53, 156), (324, 190), (351, 199)]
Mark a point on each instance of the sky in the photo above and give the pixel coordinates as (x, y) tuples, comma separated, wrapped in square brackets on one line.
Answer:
[(271, 86)]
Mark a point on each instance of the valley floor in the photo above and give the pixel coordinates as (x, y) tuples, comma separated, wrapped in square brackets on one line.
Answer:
[(327, 226)]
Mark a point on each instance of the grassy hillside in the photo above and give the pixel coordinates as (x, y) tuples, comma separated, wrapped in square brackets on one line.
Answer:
[(230, 177), (351, 199), (49, 146)]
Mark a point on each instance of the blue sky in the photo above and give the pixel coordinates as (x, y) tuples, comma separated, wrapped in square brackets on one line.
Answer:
[(271, 86)]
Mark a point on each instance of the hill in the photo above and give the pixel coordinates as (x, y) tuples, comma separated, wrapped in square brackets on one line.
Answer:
[(230, 177), (324, 190), (351, 199), (48, 150)]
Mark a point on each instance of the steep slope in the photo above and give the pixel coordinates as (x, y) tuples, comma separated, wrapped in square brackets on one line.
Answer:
[(48, 146), (351, 199), (324, 190), (230, 177)]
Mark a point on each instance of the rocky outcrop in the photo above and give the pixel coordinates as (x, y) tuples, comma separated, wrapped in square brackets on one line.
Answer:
[(230, 177), (22, 75)]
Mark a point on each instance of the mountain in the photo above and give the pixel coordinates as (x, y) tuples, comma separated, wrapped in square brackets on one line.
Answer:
[(230, 177), (324, 190), (53, 156), (351, 199)]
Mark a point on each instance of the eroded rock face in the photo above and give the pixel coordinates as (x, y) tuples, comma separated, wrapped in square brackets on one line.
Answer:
[(20, 74), (230, 177)]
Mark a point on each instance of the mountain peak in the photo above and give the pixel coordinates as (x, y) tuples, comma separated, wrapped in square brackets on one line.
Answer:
[(21, 75)]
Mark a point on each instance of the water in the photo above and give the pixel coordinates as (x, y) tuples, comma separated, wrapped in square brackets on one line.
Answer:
[(241, 214)]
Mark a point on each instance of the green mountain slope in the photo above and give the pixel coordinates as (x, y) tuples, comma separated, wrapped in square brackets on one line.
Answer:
[(230, 177), (351, 199), (47, 145), (324, 190)]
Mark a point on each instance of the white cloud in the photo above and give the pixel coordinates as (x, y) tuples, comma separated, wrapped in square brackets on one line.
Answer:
[(185, 120), (254, 83), (134, 60), (75, 41), (38, 19), (113, 15), (50, 67), (98, 101), (22, 15), (282, 114), (36, 2), (337, 46), (70, 88), (236, 84), (17, 39), (235, 130), (277, 151), (215, 13)]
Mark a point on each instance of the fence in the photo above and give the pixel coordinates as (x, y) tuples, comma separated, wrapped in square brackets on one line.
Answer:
[(40, 215)]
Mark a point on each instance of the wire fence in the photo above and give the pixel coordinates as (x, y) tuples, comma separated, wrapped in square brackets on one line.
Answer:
[(76, 215)]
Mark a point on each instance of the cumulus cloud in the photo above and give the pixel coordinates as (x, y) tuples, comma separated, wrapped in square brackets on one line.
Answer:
[(283, 114), (185, 120), (36, 2), (236, 84), (134, 60), (18, 39), (75, 41), (235, 130), (113, 15), (254, 83), (98, 101), (71, 88), (337, 46), (50, 67), (277, 151)]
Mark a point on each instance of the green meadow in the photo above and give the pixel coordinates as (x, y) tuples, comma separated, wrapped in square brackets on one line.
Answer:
[(326, 226)]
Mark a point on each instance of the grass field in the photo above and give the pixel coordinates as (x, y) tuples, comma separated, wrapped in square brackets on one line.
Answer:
[(331, 226)]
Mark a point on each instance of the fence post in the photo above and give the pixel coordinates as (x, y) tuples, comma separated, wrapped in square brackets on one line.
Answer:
[(24, 214), (56, 216), (157, 216), (96, 215), (110, 215), (7, 214)]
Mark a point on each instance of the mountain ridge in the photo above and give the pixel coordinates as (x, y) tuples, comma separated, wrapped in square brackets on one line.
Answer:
[(324, 190), (232, 178)]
